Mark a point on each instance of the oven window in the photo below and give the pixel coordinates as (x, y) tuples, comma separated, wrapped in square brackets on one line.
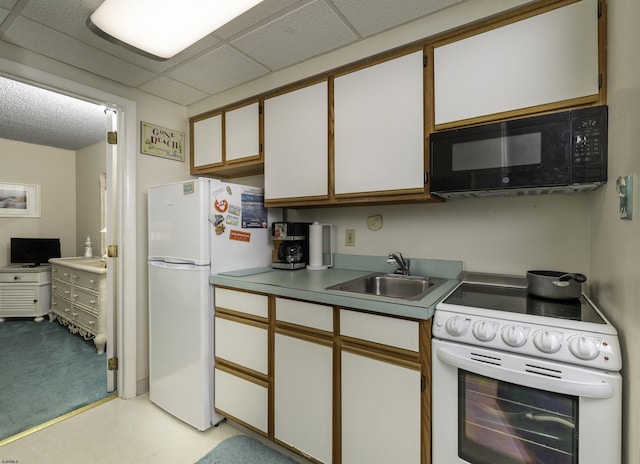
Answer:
[(504, 423)]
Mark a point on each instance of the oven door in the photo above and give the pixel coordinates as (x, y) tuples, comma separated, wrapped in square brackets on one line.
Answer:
[(526, 153), (490, 407)]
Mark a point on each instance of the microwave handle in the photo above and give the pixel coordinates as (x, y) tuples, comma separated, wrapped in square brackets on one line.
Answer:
[(599, 390)]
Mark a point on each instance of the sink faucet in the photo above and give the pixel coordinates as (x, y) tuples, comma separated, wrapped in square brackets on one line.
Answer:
[(396, 257)]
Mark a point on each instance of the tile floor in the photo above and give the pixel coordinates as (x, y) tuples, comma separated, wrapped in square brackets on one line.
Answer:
[(134, 431)]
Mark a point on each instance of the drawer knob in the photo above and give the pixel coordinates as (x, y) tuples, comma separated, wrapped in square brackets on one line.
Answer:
[(93, 302), (16, 277), (74, 314), (93, 281), (75, 276), (66, 310), (92, 322)]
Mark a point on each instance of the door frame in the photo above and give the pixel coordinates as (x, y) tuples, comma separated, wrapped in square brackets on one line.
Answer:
[(125, 233)]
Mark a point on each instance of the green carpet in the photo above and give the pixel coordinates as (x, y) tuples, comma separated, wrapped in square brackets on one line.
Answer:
[(241, 449), (45, 372)]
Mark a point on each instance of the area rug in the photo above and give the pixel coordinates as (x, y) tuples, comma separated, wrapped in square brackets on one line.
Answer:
[(241, 449), (45, 372)]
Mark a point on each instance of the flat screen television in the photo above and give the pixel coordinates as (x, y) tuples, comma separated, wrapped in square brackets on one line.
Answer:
[(32, 252)]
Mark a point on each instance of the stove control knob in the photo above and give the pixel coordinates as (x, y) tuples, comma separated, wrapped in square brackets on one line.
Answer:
[(584, 347), (484, 331), (547, 341), (457, 326), (514, 335)]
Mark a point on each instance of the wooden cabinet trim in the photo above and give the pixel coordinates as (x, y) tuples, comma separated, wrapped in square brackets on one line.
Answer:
[(242, 318), (242, 372), (304, 333)]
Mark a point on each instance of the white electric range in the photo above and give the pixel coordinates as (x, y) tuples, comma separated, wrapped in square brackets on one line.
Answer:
[(521, 379)]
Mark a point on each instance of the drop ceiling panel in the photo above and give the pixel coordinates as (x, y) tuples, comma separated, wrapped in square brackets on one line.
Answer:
[(305, 32), (373, 17), (219, 70), (173, 91), (255, 16), (48, 42)]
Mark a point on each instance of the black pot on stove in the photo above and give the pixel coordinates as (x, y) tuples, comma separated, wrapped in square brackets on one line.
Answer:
[(555, 285)]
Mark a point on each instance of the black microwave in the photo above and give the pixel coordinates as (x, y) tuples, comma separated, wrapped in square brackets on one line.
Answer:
[(558, 152)]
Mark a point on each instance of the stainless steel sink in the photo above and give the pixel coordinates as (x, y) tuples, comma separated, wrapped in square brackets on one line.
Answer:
[(390, 285)]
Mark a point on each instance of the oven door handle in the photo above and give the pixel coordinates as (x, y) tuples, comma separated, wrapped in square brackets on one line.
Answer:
[(600, 390)]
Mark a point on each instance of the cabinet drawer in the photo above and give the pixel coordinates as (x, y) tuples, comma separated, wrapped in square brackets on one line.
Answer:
[(390, 331), (249, 303), (243, 400), (61, 305), (306, 314), (61, 273), (18, 277), (61, 288), (85, 318), (242, 344), (86, 298), (85, 279)]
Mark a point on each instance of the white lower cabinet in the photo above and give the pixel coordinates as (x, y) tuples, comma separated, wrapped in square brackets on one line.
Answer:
[(323, 381), (242, 399), (303, 396), (380, 411), (241, 349)]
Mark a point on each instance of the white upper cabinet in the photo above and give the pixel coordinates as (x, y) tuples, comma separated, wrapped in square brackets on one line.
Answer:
[(242, 134), (379, 127), (551, 57), (296, 143), (207, 141)]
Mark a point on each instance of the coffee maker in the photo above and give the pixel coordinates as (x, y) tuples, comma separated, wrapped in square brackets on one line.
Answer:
[(290, 245)]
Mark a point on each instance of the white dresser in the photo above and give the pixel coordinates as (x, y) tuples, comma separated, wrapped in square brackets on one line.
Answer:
[(25, 292), (79, 297)]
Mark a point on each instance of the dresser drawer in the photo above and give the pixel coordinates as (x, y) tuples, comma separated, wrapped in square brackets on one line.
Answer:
[(61, 273), (86, 279), (61, 288), (312, 315), (61, 305), (86, 298), (85, 318)]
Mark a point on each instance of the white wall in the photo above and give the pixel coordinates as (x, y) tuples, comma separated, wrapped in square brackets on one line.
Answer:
[(91, 162), (615, 251), (54, 169)]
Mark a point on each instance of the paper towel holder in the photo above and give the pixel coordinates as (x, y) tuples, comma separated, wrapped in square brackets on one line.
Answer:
[(320, 246)]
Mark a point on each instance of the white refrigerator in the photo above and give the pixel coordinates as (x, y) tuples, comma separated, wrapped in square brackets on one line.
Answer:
[(196, 228)]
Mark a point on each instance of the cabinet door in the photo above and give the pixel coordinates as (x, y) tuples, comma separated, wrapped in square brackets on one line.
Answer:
[(380, 412), (379, 127), (296, 155), (207, 141), (303, 396), (519, 66), (242, 133)]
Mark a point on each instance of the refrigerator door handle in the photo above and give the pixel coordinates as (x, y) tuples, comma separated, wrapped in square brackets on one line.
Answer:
[(176, 265)]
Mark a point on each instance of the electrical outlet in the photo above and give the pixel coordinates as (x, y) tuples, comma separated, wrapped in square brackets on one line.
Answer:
[(350, 237)]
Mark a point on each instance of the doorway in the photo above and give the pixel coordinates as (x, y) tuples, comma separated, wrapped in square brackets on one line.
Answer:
[(122, 205)]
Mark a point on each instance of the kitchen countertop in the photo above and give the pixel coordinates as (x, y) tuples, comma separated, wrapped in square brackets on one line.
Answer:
[(311, 285)]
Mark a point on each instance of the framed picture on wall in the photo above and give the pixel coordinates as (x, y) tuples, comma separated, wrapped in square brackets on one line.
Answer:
[(19, 200)]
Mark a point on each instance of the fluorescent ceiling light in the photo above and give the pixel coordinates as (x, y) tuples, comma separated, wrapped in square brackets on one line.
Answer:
[(163, 28)]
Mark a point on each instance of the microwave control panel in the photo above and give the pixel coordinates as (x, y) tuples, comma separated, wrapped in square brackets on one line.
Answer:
[(589, 143)]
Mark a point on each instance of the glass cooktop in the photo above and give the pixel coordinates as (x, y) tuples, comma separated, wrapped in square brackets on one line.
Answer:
[(517, 300)]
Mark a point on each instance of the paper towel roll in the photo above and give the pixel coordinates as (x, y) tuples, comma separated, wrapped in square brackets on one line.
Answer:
[(316, 247)]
